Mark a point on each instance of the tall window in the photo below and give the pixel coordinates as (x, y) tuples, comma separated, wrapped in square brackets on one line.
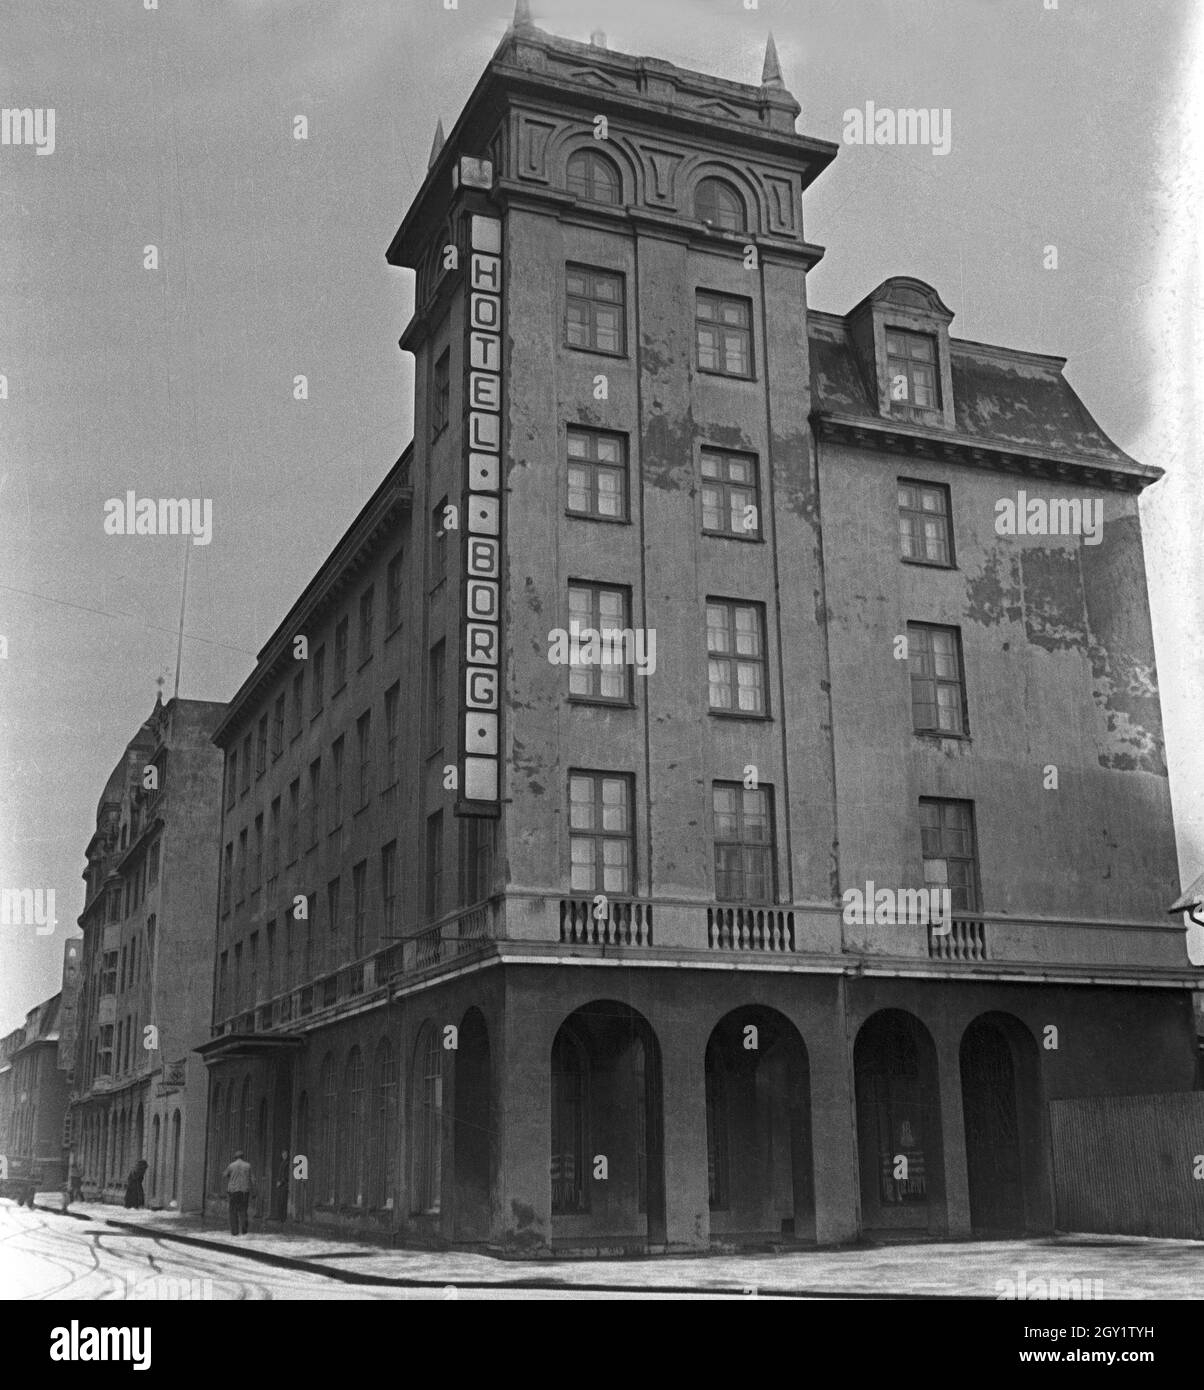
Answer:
[(278, 726), (328, 1166), (388, 887), (719, 205), (340, 653), (353, 1165), (385, 1123), (393, 734), (298, 720), (595, 675), (435, 698), (428, 1121), (274, 839), (438, 544), (730, 495), (240, 882), (601, 833), (434, 865), (231, 777), (744, 857), (393, 593), (253, 967), (270, 964), (363, 734), (367, 599), (597, 474), (938, 690), (911, 368), (227, 878), (292, 849), (594, 310), (476, 858), (246, 764), (724, 331), (336, 800), (359, 907), (736, 657), (318, 679), (441, 395), (261, 749), (950, 853), (570, 1159), (315, 801), (925, 534), (332, 921), (594, 178)]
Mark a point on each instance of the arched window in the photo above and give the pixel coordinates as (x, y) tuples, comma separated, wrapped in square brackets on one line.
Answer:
[(384, 1121), (719, 205), (353, 1083), (594, 177), (428, 1121), (328, 1157), (568, 1125)]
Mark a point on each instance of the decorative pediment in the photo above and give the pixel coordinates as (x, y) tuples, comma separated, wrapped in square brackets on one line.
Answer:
[(720, 108), (591, 77)]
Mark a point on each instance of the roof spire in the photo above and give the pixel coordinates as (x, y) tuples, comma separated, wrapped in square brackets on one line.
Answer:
[(522, 15), (436, 143), (771, 72)]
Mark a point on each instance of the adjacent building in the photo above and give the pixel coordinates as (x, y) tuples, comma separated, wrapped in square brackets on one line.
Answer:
[(137, 1089), (540, 938)]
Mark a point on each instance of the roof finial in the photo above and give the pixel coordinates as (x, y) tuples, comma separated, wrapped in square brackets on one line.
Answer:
[(771, 73), (436, 143), (522, 15)]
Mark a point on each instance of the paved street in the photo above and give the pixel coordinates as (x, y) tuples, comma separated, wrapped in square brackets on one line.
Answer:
[(46, 1255)]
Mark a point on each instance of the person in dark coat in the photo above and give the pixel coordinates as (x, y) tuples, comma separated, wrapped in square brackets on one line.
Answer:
[(134, 1195)]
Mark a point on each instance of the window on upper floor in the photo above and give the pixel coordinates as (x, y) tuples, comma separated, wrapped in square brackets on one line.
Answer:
[(393, 593), (595, 310), (950, 852), (393, 734), (603, 610), (476, 858), (925, 523), (601, 833), (278, 726), (336, 800), (730, 495), (594, 178), (441, 395), (367, 604), (911, 367), (340, 653), (231, 777), (388, 888), (597, 474), (245, 785), (436, 663), (434, 866), (317, 681), (745, 869), (261, 747), (363, 733), (298, 720), (724, 334), (938, 683), (438, 544), (736, 675), (718, 204)]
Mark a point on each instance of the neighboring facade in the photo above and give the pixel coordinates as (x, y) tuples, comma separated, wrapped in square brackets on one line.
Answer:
[(551, 955), (37, 1094), (138, 1090)]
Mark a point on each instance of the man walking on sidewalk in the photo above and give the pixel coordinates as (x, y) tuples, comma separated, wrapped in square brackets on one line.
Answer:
[(239, 1185)]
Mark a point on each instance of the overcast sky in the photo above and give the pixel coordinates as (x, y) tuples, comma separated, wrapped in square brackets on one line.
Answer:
[(1072, 126)]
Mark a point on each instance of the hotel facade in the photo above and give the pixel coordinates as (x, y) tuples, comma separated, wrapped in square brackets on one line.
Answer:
[(537, 953)]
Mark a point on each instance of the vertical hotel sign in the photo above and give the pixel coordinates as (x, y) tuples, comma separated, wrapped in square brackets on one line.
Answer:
[(480, 781)]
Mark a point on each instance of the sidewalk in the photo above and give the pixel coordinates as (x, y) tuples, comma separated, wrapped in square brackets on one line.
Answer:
[(1129, 1267)]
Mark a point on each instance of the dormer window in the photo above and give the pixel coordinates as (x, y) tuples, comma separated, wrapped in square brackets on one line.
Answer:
[(719, 205), (911, 365), (594, 178)]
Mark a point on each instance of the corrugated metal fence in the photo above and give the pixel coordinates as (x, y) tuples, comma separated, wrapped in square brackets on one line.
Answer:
[(1125, 1165)]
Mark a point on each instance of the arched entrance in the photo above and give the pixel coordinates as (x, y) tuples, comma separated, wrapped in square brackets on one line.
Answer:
[(899, 1124), (426, 1124), (758, 1112), (1001, 1106), (473, 1136), (607, 1163)]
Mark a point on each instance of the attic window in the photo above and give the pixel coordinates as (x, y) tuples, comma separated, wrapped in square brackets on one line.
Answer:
[(594, 178), (719, 205), (911, 368)]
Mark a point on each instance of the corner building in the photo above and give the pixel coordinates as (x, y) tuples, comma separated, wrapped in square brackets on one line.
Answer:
[(571, 970)]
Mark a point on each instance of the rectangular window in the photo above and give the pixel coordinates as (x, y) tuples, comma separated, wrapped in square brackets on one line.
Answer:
[(292, 834), (388, 888), (238, 980), (597, 474), (340, 654), (950, 853), (108, 978), (731, 503), (231, 777), (152, 864), (270, 963), (594, 310), (435, 696), (332, 920), (393, 734), (744, 853), (359, 907), (227, 876), (736, 675), (336, 801), (724, 331), (278, 726), (925, 535), (261, 749), (246, 763), (257, 872), (317, 692), (601, 833), (253, 968), (911, 367), (938, 690), (367, 599), (363, 734), (476, 859), (393, 593), (434, 866), (438, 545), (274, 840), (240, 884), (315, 801), (601, 674), (298, 702), (441, 395)]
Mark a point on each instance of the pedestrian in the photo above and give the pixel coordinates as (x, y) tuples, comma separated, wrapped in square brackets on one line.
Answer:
[(75, 1182), (280, 1193), (134, 1195), (240, 1183), (31, 1187)]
